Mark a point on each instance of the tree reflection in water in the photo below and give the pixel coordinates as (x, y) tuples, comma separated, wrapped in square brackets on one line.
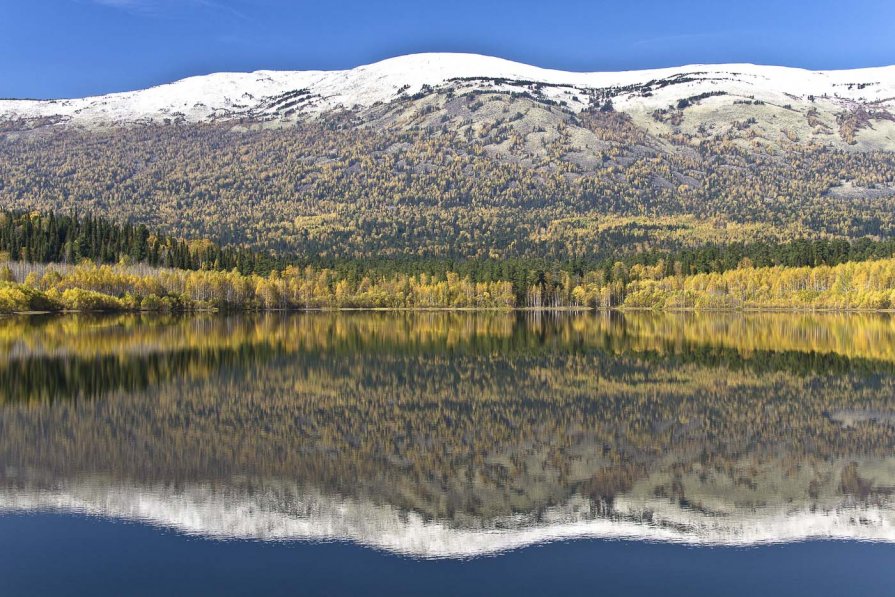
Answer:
[(443, 434)]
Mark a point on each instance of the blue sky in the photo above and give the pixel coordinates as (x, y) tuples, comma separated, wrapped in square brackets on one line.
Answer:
[(68, 48)]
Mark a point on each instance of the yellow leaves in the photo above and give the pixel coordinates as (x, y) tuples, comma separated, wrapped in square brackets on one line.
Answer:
[(654, 231), (90, 287), (863, 285), (316, 223), (13, 298), (647, 272), (78, 299)]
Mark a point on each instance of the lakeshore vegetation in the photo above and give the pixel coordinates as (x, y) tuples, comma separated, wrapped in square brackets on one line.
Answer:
[(66, 262)]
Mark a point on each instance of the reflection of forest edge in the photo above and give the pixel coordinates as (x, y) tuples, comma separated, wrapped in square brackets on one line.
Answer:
[(59, 357)]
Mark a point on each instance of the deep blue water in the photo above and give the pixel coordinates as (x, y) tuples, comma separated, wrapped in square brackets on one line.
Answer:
[(49, 554)]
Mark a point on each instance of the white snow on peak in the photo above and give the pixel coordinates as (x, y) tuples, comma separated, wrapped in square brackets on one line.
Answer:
[(234, 95)]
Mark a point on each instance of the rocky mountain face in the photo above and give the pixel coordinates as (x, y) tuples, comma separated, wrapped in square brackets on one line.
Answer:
[(461, 155)]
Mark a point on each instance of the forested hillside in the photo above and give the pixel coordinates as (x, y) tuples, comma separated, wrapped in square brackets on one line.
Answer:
[(328, 189)]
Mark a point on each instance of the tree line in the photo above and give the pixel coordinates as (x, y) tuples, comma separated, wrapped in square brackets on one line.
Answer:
[(866, 285), (48, 237)]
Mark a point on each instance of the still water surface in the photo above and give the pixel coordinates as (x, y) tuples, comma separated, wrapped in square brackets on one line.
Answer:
[(436, 452)]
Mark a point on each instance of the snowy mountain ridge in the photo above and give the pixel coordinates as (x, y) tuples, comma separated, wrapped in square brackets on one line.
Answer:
[(283, 95)]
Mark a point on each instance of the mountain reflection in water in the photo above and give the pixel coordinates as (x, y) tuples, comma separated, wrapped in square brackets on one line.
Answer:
[(456, 434)]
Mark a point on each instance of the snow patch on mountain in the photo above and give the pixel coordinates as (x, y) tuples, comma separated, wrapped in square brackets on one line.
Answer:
[(284, 94)]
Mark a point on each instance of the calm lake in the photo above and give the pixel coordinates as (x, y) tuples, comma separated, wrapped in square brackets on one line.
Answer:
[(448, 453)]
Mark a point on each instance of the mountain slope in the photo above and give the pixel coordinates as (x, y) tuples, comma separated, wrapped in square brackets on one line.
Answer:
[(456, 155)]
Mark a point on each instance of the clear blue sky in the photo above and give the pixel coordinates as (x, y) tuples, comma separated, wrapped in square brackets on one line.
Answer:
[(67, 48)]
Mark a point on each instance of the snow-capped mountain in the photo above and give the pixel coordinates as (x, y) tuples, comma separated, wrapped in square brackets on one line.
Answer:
[(351, 149), (272, 95)]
